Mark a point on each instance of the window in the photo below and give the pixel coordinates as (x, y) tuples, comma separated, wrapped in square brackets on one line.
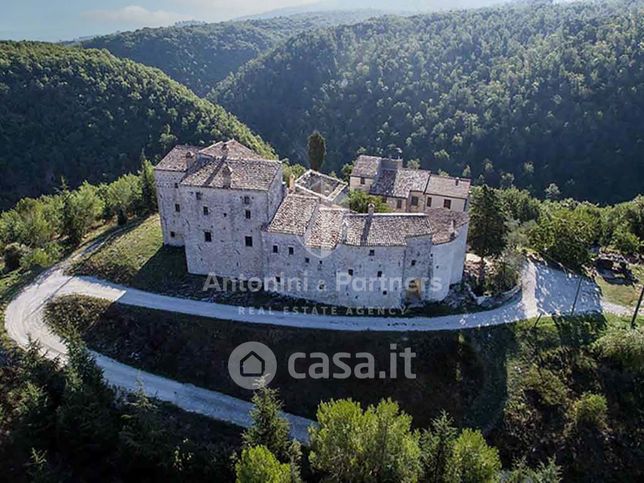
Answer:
[(350, 272), (413, 263), (372, 253), (176, 185), (399, 204), (249, 241), (205, 210), (248, 214), (177, 208), (379, 273), (207, 236), (307, 260), (247, 200), (429, 201), (172, 234), (384, 292), (278, 280), (276, 249), (414, 201), (198, 194), (321, 287), (361, 180), (290, 250), (447, 203)]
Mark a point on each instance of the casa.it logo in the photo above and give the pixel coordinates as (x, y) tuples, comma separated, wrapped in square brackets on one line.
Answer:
[(252, 364)]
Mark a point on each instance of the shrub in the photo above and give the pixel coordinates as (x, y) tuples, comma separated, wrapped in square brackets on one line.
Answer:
[(590, 409), (258, 465), (372, 445), (546, 385), (624, 346), (473, 460), (13, 254)]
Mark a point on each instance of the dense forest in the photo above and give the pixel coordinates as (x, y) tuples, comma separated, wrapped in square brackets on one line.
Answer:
[(87, 115), (527, 95), (199, 56)]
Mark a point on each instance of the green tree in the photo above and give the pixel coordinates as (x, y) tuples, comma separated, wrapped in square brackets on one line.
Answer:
[(81, 208), (359, 202), (553, 192), (376, 444), (258, 465), (148, 187), (488, 228), (473, 461), (590, 410), (544, 473), (437, 445), (317, 151), (565, 235), (269, 428)]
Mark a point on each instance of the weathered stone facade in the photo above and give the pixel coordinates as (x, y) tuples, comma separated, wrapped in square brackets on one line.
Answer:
[(237, 219)]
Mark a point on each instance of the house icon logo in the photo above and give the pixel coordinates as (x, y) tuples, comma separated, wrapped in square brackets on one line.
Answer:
[(252, 363)]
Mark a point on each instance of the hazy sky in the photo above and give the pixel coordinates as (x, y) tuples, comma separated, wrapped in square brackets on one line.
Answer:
[(67, 19)]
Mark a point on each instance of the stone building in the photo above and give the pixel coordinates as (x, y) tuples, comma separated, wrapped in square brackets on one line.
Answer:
[(409, 190), (236, 218)]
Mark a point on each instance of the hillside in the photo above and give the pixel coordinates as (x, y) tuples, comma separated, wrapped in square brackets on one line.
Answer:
[(199, 56), (86, 115), (529, 95)]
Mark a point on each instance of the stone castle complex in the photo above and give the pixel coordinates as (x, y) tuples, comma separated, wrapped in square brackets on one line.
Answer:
[(236, 218)]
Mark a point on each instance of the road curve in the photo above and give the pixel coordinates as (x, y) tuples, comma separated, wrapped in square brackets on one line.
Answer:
[(544, 291), (24, 320)]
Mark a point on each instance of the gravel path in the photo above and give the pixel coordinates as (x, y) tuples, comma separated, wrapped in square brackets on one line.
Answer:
[(544, 291)]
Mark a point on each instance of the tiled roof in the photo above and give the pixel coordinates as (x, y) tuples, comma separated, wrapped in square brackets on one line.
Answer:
[(398, 183), (366, 166), (448, 186), (294, 214), (332, 226), (230, 149), (327, 228), (384, 229), (177, 159), (441, 220), (246, 174)]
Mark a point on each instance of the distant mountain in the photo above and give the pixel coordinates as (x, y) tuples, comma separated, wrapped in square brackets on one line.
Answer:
[(199, 56), (383, 6), (86, 115), (529, 95)]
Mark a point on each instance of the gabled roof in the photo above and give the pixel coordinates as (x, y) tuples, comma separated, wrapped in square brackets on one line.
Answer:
[(246, 174), (366, 166), (448, 186), (384, 229), (178, 158), (398, 183), (326, 227), (231, 149), (294, 215)]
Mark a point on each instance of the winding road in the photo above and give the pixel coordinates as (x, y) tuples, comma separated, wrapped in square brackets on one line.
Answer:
[(544, 291)]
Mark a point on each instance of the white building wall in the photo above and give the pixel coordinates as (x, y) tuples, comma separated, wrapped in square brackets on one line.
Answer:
[(458, 204), (167, 197), (355, 184), (226, 254), (363, 289)]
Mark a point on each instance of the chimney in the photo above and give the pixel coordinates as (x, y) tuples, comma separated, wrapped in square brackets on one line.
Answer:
[(457, 181), (452, 229), (291, 183), (371, 209), (226, 172)]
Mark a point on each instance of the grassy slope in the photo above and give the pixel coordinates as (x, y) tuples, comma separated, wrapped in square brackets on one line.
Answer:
[(518, 382), (626, 295), (196, 350)]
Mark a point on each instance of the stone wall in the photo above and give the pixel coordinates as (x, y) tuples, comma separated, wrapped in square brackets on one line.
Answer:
[(172, 224)]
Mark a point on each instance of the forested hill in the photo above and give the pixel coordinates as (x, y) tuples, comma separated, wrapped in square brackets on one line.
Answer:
[(199, 56), (530, 94), (84, 114)]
